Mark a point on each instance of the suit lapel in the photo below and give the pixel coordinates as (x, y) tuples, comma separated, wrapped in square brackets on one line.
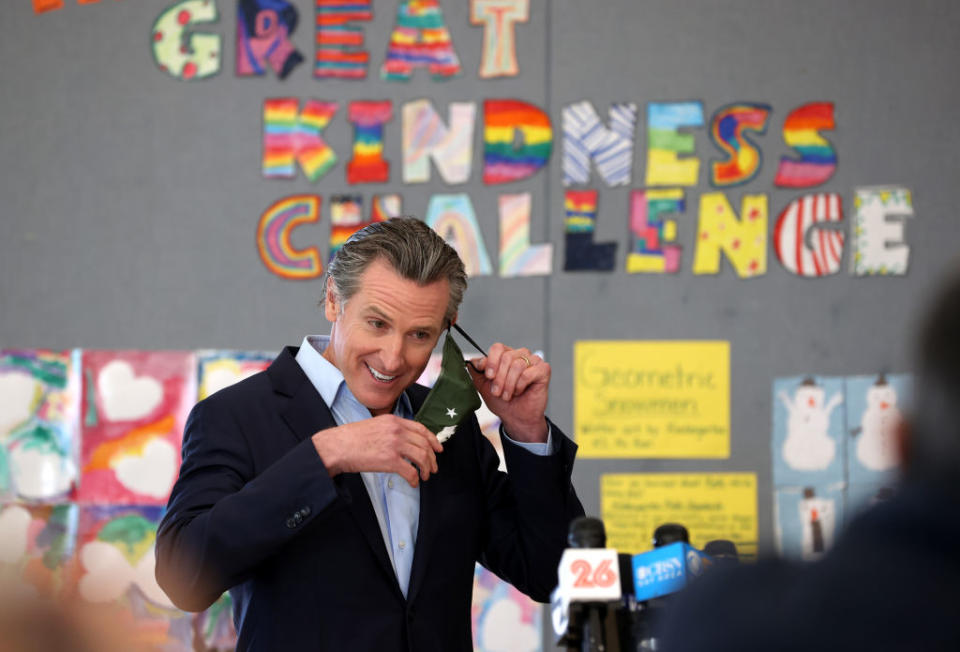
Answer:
[(429, 517), (305, 414)]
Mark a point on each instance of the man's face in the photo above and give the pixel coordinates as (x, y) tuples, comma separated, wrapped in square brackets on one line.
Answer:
[(382, 338)]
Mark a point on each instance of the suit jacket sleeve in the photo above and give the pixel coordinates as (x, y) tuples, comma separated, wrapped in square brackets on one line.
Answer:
[(529, 515), (237, 501)]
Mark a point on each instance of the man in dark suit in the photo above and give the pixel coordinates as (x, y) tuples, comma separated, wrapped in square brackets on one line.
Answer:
[(335, 520), (891, 581)]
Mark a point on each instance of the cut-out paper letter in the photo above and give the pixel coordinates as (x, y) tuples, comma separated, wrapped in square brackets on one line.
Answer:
[(586, 139), (728, 129), (801, 243), (665, 142), (878, 224), (368, 164), (743, 241), (219, 369), (818, 159), (346, 216), (517, 256), (273, 238), (40, 6), (291, 135), (452, 216), (650, 231), (582, 253), (517, 140), (186, 55), (420, 39), (263, 37), (425, 137), (499, 19), (340, 52)]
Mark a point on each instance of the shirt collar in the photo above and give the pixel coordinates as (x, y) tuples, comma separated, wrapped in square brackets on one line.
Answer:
[(326, 378)]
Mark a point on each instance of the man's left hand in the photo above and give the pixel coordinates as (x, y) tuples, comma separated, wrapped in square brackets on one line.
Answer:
[(514, 383)]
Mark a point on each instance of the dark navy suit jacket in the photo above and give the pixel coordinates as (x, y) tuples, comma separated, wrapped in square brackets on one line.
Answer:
[(255, 511)]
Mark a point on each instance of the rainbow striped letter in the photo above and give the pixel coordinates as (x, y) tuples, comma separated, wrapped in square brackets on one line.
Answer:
[(340, 50), (498, 18), (273, 238), (585, 139), (346, 216), (818, 160), (453, 218), (664, 142), (582, 252), (195, 57), (504, 159), (744, 242), (420, 39), (650, 231), (805, 253), (517, 256), (728, 129), (425, 137), (290, 135), (368, 164)]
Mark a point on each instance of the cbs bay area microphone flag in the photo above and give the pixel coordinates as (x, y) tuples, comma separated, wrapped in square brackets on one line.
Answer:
[(453, 397)]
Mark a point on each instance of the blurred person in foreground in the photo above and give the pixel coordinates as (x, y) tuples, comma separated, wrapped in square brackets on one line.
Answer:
[(337, 521), (892, 580)]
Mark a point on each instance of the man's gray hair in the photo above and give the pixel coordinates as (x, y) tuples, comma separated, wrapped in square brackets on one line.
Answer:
[(413, 249)]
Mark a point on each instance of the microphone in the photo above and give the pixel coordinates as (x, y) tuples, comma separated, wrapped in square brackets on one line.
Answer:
[(722, 551)]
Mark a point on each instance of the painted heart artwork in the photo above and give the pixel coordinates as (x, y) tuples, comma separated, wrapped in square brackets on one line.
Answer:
[(219, 369), (135, 405), (39, 409), (37, 545)]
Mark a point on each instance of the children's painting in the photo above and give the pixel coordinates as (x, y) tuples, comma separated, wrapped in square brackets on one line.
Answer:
[(39, 400), (135, 404), (504, 619), (808, 520), (219, 369), (808, 431), (36, 547)]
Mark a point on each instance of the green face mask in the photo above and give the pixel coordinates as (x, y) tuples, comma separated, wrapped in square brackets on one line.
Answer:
[(453, 397)]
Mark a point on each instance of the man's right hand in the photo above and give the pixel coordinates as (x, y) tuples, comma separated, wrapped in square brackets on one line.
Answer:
[(386, 443)]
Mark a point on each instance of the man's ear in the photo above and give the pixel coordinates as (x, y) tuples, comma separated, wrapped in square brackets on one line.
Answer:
[(331, 305), (453, 320)]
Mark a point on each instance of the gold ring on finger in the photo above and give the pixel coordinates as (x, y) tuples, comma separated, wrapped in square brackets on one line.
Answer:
[(526, 359)]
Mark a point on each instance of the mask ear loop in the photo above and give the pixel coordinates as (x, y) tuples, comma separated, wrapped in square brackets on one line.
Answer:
[(469, 339)]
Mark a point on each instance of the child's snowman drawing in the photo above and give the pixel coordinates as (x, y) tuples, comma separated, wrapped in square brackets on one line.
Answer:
[(876, 436), (809, 446)]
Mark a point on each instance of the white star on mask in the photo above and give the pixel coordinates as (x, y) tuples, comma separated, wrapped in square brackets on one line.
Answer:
[(452, 413)]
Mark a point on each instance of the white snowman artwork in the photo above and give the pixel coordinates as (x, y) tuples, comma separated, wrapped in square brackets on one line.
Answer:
[(809, 446), (876, 443)]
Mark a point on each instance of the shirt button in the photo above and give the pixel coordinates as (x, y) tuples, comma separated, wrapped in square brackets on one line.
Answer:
[(403, 544), (390, 483)]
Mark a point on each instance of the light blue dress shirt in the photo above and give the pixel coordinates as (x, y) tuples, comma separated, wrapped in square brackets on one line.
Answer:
[(395, 502)]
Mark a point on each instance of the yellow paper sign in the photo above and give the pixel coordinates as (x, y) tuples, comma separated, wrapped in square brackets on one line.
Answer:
[(652, 399), (710, 505)]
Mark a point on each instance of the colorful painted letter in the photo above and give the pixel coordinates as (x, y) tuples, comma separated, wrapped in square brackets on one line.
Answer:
[(728, 130), (273, 238), (425, 137), (665, 142), (743, 241), (582, 253), (40, 6), (263, 37), (420, 40), (650, 231), (346, 216), (453, 218), (340, 52), (290, 135), (505, 122), (818, 159), (368, 164), (517, 256), (499, 18), (219, 369), (878, 225), (586, 139), (801, 243), (186, 55)]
